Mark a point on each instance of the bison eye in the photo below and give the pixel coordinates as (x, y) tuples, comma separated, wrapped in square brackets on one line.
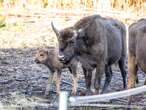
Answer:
[(71, 42)]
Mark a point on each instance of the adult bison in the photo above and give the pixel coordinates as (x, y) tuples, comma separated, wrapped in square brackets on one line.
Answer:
[(137, 51), (101, 39)]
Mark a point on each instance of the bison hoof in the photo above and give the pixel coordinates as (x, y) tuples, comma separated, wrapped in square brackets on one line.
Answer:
[(82, 93), (73, 93)]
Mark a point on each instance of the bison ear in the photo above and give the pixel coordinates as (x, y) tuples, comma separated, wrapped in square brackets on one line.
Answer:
[(55, 30), (82, 31), (75, 34)]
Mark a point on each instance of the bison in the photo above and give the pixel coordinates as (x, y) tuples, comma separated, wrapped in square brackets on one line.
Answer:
[(50, 59), (136, 51), (101, 39)]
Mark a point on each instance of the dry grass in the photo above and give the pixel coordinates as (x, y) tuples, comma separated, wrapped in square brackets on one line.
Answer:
[(26, 23), (67, 4), (23, 32)]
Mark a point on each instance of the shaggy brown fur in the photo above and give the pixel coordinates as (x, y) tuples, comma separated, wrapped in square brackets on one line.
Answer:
[(101, 39), (137, 51), (50, 59)]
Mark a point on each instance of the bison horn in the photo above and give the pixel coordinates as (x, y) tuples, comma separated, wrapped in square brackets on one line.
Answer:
[(54, 29)]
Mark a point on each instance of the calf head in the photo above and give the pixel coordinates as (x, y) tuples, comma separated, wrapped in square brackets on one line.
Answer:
[(43, 57), (68, 43)]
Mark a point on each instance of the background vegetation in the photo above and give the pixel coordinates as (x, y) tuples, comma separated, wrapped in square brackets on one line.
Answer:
[(26, 23), (118, 4)]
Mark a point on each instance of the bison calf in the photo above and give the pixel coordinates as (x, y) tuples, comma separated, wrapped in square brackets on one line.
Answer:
[(50, 59)]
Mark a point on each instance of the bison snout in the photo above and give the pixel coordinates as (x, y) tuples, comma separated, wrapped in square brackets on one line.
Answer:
[(61, 57), (37, 61)]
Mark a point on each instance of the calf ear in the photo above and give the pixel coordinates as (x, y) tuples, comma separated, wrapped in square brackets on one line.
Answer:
[(55, 30)]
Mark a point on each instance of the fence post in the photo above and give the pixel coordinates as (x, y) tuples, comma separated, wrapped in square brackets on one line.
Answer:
[(63, 99)]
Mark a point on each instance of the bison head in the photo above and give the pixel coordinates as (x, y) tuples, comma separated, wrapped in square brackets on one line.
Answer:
[(70, 40)]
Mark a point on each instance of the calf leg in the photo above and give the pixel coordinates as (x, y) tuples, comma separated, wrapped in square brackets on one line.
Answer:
[(132, 71), (108, 77), (58, 81), (51, 79), (75, 85), (121, 63)]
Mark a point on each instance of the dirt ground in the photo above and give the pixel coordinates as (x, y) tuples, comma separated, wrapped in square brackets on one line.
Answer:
[(20, 75), (24, 81)]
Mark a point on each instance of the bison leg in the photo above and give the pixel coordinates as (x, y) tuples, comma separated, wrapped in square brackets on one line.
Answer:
[(54, 76), (75, 85), (51, 79), (145, 82), (123, 71), (108, 77), (88, 77), (132, 71), (137, 80), (97, 84), (100, 69), (73, 70), (58, 81), (98, 75)]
